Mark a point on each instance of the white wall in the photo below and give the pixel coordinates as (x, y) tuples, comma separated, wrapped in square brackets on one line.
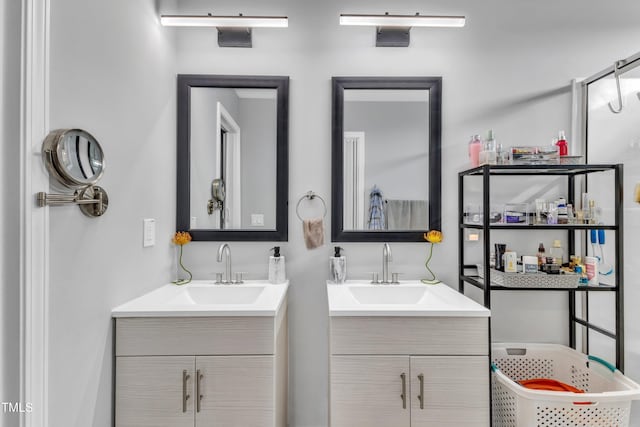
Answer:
[(9, 194), (396, 146), (113, 73), (509, 69), (258, 154)]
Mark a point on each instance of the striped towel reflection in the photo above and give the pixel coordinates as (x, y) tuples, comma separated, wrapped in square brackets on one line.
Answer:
[(376, 209)]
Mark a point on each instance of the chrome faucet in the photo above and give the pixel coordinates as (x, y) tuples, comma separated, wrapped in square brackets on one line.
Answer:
[(224, 248), (386, 257)]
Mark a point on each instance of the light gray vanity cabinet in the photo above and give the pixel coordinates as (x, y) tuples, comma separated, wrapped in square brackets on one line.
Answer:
[(409, 372), (194, 372)]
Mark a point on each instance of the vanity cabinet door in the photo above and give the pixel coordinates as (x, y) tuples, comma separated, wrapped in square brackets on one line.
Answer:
[(236, 391), (151, 391), (455, 390), (367, 391)]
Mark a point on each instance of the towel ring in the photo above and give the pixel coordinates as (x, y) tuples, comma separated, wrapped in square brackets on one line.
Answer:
[(310, 196)]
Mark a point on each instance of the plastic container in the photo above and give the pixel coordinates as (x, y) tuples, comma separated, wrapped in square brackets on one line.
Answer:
[(563, 148), (489, 155), (591, 267), (475, 146), (605, 403), (276, 267), (557, 252), (337, 267), (516, 213)]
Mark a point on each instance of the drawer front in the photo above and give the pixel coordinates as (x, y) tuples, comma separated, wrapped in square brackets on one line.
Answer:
[(194, 336), (410, 335)]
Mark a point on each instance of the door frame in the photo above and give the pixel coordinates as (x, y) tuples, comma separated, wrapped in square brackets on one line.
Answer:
[(354, 165), (224, 120), (34, 221)]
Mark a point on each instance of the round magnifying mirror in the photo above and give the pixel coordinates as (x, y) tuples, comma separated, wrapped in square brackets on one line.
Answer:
[(217, 190), (74, 157)]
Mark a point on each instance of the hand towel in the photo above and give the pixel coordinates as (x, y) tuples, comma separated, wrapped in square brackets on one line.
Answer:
[(313, 230)]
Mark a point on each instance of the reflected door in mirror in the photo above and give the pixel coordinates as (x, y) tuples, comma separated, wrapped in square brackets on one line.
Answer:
[(233, 141), (232, 163), (386, 158)]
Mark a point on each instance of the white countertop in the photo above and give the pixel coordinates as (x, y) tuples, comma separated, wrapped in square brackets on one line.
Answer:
[(409, 298), (202, 298)]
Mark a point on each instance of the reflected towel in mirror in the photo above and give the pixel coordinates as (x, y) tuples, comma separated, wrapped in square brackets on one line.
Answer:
[(407, 215), (313, 230), (376, 210)]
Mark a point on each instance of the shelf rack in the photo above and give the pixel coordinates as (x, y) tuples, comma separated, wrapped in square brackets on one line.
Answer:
[(485, 173)]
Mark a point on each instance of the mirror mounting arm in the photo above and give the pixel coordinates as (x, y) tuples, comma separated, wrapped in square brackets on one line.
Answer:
[(93, 201)]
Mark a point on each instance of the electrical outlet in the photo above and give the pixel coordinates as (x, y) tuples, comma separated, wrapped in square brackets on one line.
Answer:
[(148, 232), (257, 220)]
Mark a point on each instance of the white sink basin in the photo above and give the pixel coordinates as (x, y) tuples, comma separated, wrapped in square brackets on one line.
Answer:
[(203, 298), (387, 294), (409, 298), (218, 294)]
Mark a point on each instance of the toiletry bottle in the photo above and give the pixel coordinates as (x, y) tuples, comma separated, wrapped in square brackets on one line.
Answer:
[(562, 211), (591, 268), (582, 281), (510, 261), (475, 146), (337, 266), (556, 252), (541, 256), (488, 155), (276, 267), (563, 149), (552, 215), (500, 250)]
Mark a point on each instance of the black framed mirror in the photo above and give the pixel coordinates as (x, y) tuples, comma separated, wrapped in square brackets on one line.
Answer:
[(386, 158), (232, 150)]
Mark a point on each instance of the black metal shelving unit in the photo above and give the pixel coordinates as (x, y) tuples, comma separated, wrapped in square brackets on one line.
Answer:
[(571, 172)]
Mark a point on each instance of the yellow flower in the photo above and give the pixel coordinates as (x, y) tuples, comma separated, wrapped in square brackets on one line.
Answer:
[(433, 236), (181, 238)]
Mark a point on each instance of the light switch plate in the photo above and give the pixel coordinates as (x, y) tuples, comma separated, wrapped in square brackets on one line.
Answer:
[(148, 232), (257, 220), (193, 223)]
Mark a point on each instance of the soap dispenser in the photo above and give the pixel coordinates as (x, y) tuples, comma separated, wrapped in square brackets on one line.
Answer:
[(337, 266), (276, 267)]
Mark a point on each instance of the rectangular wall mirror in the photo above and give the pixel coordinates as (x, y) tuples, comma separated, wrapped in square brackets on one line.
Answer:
[(386, 152), (233, 157)]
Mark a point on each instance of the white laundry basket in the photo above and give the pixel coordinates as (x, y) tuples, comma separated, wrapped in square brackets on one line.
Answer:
[(605, 403)]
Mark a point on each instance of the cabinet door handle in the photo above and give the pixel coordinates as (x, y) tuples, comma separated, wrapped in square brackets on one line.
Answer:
[(403, 396), (185, 395), (421, 395), (199, 378)]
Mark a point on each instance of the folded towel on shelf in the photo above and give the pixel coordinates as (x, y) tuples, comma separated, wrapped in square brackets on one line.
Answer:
[(313, 230)]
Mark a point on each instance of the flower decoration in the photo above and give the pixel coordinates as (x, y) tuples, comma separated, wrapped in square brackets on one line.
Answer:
[(181, 238), (433, 237)]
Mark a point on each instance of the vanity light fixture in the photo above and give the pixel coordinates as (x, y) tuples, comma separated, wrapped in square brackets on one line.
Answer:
[(233, 31), (393, 30)]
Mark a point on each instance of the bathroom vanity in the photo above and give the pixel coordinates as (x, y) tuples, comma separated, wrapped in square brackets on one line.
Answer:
[(202, 354), (407, 355)]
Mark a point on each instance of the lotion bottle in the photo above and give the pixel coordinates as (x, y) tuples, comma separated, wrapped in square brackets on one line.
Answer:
[(276, 267), (337, 266)]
